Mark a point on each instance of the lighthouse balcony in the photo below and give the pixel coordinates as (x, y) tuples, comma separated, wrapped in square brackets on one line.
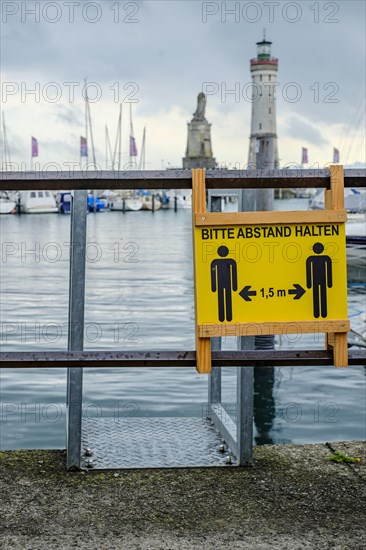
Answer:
[(268, 61)]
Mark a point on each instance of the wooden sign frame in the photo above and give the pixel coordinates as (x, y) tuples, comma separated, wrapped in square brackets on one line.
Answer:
[(336, 337)]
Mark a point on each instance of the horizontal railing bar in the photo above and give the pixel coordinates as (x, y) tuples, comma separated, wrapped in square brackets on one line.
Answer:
[(108, 359), (269, 218), (176, 179)]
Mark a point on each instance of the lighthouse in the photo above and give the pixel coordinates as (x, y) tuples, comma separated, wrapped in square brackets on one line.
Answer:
[(263, 153)]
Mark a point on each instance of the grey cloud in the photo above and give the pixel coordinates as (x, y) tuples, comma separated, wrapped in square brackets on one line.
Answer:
[(299, 128), (14, 144), (170, 52), (68, 146), (69, 115)]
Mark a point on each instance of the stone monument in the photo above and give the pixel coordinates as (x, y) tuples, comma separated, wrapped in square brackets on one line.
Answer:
[(199, 149)]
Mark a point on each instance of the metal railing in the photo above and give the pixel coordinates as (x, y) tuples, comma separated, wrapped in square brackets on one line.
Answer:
[(75, 358), (173, 179), (176, 179)]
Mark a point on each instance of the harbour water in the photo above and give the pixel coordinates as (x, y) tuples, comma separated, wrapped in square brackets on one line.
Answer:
[(139, 295)]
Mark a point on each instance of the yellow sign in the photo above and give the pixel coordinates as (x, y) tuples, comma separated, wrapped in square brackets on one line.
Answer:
[(270, 273)]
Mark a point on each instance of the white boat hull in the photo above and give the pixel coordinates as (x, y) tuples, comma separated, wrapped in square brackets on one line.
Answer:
[(37, 202), (131, 205), (182, 202), (147, 204), (7, 206), (356, 248), (38, 210)]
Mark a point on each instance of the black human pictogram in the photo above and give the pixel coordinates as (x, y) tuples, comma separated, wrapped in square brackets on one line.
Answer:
[(319, 278), (224, 282)]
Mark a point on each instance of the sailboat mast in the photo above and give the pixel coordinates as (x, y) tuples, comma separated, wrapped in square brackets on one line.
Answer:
[(106, 147), (142, 155), (117, 143), (7, 158), (111, 166), (89, 123), (143, 162), (91, 137), (4, 167), (4, 160), (86, 122), (120, 137), (131, 135)]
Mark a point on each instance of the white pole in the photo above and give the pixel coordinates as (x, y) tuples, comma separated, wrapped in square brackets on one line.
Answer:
[(92, 142), (120, 136), (86, 122), (131, 134), (106, 147), (111, 157)]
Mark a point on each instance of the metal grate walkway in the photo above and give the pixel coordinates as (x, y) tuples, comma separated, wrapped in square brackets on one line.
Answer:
[(152, 443)]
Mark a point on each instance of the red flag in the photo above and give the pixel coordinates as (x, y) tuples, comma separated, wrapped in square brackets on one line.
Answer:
[(133, 148), (304, 156), (34, 147), (335, 155)]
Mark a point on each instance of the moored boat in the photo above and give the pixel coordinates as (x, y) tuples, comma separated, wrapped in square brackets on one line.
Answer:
[(7, 205), (124, 203), (354, 200), (356, 248), (151, 202), (180, 200), (37, 202), (96, 203), (63, 200)]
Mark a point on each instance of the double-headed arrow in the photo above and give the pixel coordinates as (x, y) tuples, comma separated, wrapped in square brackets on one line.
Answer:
[(298, 291), (246, 293)]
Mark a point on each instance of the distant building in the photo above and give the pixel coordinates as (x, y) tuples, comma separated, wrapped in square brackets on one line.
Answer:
[(263, 151), (199, 149)]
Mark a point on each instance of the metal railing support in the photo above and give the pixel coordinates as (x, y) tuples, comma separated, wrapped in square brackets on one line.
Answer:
[(247, 202), (245, 407), (214, 379), (239, 437), (76, 325)]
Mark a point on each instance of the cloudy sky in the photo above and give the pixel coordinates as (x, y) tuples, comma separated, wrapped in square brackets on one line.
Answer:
[(160, 55)]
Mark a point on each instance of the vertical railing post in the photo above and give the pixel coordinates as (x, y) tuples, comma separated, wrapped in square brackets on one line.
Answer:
[(245, 375), (76, 325), (214, 379), (244, 404), (264, 202)]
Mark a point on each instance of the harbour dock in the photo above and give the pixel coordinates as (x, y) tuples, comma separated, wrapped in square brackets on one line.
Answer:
[(294, 497), (287, 496)]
